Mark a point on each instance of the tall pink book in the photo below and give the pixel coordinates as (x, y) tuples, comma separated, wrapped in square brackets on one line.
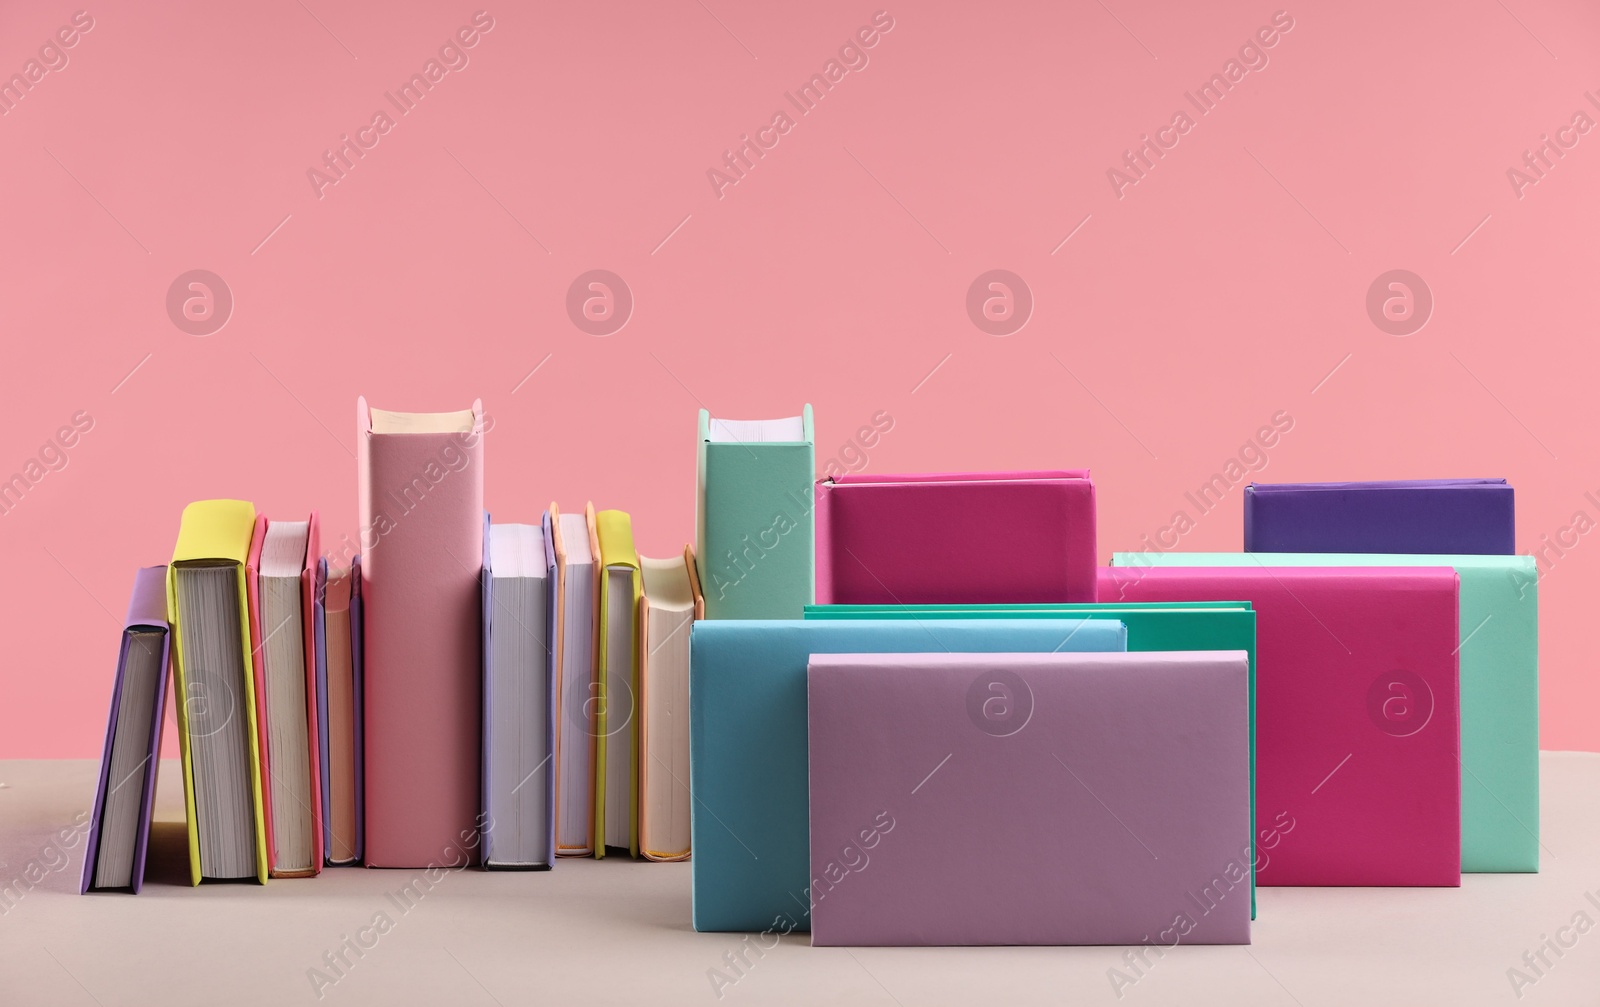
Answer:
[(420, 496), (956, 538)]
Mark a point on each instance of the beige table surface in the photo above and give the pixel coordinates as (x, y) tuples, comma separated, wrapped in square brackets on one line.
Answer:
[(617, 932)]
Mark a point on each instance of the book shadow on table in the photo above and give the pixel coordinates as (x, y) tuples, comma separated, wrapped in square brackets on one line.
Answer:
[(167, 856), (166, 859)]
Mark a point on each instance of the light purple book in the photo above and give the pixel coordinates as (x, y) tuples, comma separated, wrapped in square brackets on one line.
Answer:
[(518, 806), (319, 623), (358, 637), (125, 796), (1054, 799)]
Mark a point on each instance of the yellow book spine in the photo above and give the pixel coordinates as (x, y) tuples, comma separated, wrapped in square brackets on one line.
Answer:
[(180, 701), (250, 732)]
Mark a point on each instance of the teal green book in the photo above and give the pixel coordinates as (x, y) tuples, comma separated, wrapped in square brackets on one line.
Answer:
[(754, 524), (1151, 626), (1499, 676)]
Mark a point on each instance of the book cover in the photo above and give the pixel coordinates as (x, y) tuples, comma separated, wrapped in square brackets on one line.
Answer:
[(357, 669), (215, 532), (1499, 683), (1357, 714), (518, 696), (575, 595), (670, 602), (1114, 790), (1437, 516), (324, 767), (754, 520), (420, 492), (616, 725), (995, 537), (1151, 626), (311, 616), (747, 739), (147, 611)]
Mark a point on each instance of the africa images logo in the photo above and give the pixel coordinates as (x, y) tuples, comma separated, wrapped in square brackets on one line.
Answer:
[(999, 702)]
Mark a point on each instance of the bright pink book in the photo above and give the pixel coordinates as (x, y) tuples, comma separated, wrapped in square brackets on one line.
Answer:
[(1358, 773), (959, 538), (420, 501)]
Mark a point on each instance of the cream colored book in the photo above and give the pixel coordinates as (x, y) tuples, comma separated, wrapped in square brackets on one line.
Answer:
[(671, 602)]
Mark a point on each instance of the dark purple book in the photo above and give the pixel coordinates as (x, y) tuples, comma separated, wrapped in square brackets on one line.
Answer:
[(1430, 516), (119, 830)]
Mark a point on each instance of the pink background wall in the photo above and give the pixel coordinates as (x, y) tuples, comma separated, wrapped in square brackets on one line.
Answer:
[(1226, 286)]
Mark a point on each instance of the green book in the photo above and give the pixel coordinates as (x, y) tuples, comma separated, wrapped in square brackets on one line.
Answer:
[(754, 525), (1152, 626), (1499, 685)]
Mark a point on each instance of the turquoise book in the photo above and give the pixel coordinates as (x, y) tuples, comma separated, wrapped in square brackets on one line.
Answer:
[(748, 744), (754, 516), (1151, 626), (1499, 685)]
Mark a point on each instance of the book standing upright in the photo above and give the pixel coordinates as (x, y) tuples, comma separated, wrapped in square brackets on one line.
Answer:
[(616, 724), (281, 584), (573, 566), (214, 685), (670, 603), (420, 491), (119, 827), (754, 516)]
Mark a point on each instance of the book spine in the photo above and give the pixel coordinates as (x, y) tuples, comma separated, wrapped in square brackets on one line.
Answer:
[(758, 546), (421, 512)]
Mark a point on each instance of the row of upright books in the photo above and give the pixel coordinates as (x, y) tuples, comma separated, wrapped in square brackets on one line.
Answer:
[(585, 692), (900, 670), (461, 692)]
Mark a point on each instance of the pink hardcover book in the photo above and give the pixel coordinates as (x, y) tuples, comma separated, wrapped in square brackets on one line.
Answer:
[(420, 493), (252, 585), (308, 642), (1030, 798), (984, 537), (1358, 775)]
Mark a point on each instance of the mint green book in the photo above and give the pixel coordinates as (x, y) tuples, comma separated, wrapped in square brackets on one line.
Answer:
[(1499, 679), (754, 525), (1151, 626)]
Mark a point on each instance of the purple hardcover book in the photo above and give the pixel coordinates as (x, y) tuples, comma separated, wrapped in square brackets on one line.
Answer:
[(552, 669), (1058, 799), (1432, 516), (486, 588), (319, 621), (357, 669), (119, 829)]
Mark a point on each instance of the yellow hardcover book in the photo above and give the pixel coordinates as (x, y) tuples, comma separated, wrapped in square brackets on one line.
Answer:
[(215, 698), (616, 774)]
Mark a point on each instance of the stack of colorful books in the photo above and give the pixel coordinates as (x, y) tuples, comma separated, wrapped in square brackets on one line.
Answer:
[(844, 686)]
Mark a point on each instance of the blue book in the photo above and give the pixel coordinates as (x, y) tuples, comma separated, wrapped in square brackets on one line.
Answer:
[(747, 739)]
